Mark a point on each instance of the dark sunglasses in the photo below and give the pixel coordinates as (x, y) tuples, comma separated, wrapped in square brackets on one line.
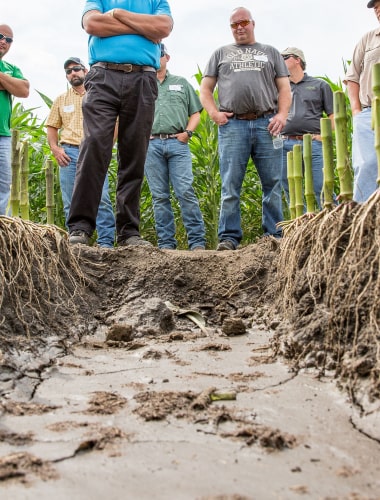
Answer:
[(287, 57), (8, 39), (73, 68), (242, 23)]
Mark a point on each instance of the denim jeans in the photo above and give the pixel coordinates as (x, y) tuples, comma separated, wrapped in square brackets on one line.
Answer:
[(111, 96), (5, 173), (364, 156), (238, 141), (169, 162), (317, 168), (105, 220)]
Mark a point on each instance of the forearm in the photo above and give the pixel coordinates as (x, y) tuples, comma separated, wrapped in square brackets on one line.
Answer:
[(193, 121), (284, 102), (52, 137), (353, 89), (151, 26), (122, 22), (58, 151), (206, 96), (102, 25), (15, 86)]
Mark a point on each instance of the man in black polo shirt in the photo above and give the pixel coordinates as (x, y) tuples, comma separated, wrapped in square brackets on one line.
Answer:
[(311, 97)]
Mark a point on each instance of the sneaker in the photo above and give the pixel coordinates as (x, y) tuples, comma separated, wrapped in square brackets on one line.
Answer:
[(134, 241), (225, 245), (79, 238), (197, 248)]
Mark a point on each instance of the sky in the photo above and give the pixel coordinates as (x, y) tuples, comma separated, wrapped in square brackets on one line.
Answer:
[(46, 33)]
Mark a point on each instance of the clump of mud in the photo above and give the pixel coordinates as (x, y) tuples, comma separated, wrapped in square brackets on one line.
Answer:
[(199, 408)]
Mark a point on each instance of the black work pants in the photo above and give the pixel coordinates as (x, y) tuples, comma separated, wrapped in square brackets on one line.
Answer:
[(113, 95)]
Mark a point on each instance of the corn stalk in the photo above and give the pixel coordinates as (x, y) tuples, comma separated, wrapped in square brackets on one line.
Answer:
[(24, 182), (15, 187), (309, 186), (376, 121), (342, 155), (49, 176), (297, 168), (328, 163), (292, 194)]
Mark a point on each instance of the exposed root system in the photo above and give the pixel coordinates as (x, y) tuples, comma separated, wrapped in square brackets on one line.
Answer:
[(40, 278), (329, 276)]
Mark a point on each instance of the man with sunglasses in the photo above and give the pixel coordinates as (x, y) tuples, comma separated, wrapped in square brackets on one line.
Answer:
[(359, 87), (124, 54), (64, 133), (168, 162), (311, 98), (254, 99), (12, 83)]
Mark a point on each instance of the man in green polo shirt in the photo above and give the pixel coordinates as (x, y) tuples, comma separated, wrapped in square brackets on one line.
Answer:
[(168, 161), (12, 83)]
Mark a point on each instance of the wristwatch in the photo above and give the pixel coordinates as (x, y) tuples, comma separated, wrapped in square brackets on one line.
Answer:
[(189, 133)]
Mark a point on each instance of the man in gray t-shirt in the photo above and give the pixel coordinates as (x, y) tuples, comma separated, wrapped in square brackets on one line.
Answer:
[(254, 99), (311, 98)]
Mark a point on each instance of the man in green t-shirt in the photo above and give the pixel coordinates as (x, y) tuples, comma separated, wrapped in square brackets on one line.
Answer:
[(168, 161), (12, 83)]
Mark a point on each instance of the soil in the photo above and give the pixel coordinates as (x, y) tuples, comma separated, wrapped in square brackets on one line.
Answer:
[(160, 374)]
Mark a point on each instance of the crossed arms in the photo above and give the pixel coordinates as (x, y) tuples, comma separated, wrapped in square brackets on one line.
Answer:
[(15, 86), (124, 22)]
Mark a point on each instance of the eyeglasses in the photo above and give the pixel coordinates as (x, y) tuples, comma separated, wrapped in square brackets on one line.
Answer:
[(162, 53), (73, 68), (287, 57), (8, 39), (242, 23)]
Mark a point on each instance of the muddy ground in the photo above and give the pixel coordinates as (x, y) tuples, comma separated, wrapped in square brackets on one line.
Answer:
[(161, 377)]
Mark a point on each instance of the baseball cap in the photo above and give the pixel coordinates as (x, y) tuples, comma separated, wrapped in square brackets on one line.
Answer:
[(74, 60), (293, 51)]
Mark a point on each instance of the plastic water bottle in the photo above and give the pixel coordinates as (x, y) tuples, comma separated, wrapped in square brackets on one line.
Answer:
[(277, 141)]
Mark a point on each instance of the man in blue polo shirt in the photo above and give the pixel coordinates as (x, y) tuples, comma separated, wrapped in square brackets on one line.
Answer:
[(124, 54), (12, 83)]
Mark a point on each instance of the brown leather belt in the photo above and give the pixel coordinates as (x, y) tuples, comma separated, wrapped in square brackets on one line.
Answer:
[(315, 137), (293, 137), (252, 116), (125, 68), (163, 137)]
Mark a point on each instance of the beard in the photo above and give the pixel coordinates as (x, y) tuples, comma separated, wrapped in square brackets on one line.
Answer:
[(77, 81)]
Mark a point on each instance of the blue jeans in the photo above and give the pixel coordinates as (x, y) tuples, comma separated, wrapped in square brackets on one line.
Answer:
[(364, 159), (238, 141), (317, 168), (5, 173), (105, 220), (169, 162)]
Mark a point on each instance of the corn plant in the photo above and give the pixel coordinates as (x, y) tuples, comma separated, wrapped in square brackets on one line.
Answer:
[(32, 131)]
